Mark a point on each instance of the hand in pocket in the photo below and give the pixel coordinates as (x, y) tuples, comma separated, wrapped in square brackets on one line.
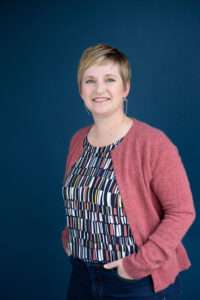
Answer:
[(120, 269), (68, 252)]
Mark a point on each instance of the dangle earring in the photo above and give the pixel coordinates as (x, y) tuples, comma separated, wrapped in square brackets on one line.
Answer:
[(87, 109), (125, 100)]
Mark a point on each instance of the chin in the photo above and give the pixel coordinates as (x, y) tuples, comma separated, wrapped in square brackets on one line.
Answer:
[(100, 113)]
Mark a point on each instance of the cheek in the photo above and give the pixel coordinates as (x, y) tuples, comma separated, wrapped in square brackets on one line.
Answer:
[(118, 90), (86, 91)]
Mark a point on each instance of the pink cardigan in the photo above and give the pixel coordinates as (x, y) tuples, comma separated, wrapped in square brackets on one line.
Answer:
[(157, 200)]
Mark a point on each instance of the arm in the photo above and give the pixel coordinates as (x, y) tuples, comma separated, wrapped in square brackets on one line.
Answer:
[(170, 185)]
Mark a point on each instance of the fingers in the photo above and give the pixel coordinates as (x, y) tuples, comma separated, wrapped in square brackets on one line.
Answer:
[(68, 252), (120, 269), (113, 264)]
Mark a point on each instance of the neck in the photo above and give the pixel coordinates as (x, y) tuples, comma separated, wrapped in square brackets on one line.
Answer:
[(105, 127)]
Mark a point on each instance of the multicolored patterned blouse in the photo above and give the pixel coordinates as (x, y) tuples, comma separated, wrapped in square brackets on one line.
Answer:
[(97, 224)]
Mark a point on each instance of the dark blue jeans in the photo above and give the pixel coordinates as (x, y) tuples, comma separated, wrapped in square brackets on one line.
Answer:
[(92, 282)]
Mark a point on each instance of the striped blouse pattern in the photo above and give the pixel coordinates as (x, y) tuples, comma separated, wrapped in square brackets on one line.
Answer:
[(97, 224)]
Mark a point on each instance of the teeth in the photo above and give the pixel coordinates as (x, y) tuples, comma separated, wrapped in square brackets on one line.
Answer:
[(100, 99)]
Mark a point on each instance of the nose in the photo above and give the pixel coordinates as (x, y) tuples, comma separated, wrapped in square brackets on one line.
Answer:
[(100, 87)]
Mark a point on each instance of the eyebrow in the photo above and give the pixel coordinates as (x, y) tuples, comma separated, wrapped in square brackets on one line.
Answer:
[(90, 76)]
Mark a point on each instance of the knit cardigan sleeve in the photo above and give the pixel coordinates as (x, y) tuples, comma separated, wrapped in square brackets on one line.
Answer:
[(170, 185)]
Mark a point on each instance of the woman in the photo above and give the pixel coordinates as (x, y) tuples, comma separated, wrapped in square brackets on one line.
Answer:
[(127, 197)]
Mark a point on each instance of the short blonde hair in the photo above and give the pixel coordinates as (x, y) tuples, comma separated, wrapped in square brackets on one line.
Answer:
[(102, 54)]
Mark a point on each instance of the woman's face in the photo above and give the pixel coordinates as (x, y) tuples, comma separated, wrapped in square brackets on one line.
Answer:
[(103, 90)]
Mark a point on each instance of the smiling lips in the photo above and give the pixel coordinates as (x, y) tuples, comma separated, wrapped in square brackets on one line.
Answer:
[(100, 100)]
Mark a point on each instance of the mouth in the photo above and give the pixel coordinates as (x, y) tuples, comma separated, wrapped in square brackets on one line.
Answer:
[(100, 100)]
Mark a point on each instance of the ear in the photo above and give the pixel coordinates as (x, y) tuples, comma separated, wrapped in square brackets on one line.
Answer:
[(126, 91)]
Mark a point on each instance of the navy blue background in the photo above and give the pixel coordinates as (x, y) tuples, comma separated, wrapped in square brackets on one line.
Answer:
[(41, 44)]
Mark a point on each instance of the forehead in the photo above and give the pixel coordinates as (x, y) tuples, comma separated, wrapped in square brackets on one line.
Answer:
[(102, 69)]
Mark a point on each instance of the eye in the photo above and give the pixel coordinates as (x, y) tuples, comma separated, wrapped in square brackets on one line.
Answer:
[(110, 80), (90, 81)]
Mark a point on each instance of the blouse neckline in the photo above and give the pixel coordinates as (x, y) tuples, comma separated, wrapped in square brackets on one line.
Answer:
[(100, 149)]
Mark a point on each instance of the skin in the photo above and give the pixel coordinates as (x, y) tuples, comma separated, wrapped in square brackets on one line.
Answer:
[(110, 122)]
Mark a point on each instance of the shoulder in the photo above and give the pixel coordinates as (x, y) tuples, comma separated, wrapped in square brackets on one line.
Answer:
[(155, 146), (152, 136), (80, 134)]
